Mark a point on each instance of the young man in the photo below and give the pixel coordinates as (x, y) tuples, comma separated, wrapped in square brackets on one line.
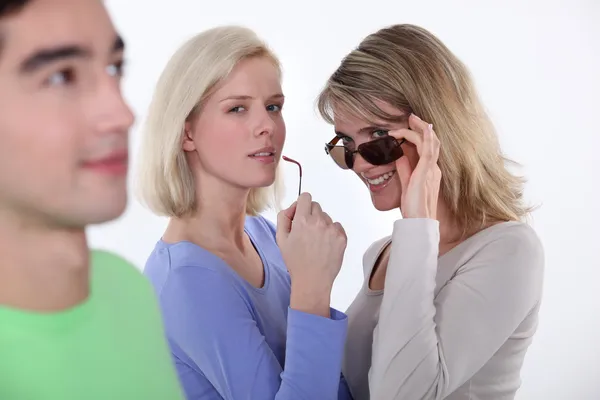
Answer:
[(73, 324)]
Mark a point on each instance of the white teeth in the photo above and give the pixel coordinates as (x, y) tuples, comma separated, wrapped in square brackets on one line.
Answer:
[(261, 154), (380, 179)]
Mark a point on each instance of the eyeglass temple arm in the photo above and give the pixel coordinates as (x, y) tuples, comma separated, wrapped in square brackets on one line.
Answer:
[(299, 167)]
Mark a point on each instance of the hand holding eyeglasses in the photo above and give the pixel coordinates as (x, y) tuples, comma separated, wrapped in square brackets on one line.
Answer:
[(313, 247), (421, 186)]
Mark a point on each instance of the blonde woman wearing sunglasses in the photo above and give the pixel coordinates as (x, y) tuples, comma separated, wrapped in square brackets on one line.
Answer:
[(450, 299)]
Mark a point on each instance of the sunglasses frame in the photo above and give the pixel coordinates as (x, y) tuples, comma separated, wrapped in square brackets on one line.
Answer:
[(333, 144)]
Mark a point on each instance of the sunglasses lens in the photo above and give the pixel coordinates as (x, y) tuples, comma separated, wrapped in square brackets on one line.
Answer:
[(381, 151), (340, 156)]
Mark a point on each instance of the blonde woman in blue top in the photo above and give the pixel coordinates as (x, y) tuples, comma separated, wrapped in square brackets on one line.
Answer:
[(240, 326)]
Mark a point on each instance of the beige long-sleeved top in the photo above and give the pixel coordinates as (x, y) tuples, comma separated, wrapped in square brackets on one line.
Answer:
[(453, 327)]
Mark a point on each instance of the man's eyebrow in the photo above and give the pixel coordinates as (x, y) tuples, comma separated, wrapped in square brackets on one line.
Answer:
[(43, 57), (50, 55)]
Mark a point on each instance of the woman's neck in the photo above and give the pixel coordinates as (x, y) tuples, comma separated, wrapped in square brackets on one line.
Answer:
[(217, 223), (451, 233)]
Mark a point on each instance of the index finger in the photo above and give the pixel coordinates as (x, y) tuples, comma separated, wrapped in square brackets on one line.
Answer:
[(410, 135), (290, 211), (417, 124)]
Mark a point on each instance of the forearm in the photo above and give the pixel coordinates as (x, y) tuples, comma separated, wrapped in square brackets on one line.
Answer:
[(405, 340), (314, 352), (311, 297), (225, 343)]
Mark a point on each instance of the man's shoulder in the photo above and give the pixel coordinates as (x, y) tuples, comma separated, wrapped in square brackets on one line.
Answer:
[(113, 270)]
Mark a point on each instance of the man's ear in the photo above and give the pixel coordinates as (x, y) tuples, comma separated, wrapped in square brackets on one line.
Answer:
[(188, 143)]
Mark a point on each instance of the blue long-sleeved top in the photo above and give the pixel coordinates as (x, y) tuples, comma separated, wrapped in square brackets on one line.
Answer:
[(231, 340)]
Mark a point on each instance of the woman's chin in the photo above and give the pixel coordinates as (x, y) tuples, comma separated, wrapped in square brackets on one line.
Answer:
[(386, 202), (261, 182), (384, 206), (387, 198)]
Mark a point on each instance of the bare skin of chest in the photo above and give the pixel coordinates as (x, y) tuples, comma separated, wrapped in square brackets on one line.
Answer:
[(248, 264), (377, 279)]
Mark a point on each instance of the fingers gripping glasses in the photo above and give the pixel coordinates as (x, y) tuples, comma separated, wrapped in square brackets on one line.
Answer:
[(380, 151)]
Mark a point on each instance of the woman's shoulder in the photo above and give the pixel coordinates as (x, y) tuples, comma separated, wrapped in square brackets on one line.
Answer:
[(508, 237), (510, 251), (190, 266), (260, 226)]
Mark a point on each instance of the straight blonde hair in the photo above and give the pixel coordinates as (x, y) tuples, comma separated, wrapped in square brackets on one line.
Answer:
[(409, 68), (165, 181)]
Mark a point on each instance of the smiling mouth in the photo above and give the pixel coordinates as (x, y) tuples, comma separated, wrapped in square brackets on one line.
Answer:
[(380, 179)]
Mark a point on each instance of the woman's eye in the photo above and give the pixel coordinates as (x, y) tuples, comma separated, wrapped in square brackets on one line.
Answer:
[(380, 133), (236, 109), (274, 108), (348, 143)]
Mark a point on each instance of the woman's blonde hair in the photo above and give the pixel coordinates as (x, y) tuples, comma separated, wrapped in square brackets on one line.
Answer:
[(409, 68), (165, 181)]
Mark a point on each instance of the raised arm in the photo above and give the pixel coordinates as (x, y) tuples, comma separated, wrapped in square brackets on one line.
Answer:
[(211, 322), (426, 347)]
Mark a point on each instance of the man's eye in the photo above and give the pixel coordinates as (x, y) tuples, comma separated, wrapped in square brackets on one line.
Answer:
[(116, 69), (62, 77)]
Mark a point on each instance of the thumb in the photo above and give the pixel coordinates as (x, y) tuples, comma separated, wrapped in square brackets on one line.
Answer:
[(284, 221)]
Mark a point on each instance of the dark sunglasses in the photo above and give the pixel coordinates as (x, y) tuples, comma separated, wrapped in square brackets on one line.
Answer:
[(380, 151)]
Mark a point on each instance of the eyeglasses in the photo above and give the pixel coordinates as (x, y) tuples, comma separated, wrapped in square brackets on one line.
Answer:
[(380, 151), (300, 168)]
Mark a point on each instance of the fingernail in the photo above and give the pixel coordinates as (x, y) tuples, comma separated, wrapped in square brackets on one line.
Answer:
[(415, 115), (430, 127)]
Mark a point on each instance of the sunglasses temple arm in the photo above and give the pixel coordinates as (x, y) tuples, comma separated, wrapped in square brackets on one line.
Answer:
[(300, 170), (299, 178)]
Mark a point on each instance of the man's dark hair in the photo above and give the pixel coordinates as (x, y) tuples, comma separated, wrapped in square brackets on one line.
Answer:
[(10, 7)]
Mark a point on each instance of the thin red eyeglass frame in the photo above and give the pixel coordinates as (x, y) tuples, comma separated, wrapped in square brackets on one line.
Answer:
[(299, 168)]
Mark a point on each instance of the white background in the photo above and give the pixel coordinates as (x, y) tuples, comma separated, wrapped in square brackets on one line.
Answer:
[(537, 67)]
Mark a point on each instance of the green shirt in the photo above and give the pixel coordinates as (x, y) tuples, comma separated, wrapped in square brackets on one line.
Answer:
[(110, 347)]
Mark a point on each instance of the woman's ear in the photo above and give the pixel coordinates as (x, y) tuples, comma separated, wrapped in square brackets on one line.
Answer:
[(188, 143)]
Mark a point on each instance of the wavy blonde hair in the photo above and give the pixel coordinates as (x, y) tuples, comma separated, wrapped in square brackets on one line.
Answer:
[(165, 181), (409, 68)]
